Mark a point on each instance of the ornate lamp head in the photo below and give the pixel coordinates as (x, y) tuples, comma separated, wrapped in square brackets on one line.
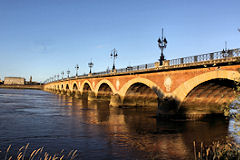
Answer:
[(90, 65)]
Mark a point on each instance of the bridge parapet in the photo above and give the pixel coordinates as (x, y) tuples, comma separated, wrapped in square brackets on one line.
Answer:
[(206, 57)]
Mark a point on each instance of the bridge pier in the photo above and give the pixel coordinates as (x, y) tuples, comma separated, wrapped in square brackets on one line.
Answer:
[(69, 93), (54, 91), (167, 107), (63, 92), (58, 91), (115, 100), (91, 96), (77, 94)]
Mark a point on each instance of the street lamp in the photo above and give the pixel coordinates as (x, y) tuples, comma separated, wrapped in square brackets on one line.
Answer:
[(90, 65), (162, 44), (224, 52), (77, 67), (114, 56), (62, 74), (68, 72), (57, 76)]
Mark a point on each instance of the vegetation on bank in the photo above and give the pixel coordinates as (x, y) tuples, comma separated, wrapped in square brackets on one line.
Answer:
[(228, 150), (37, 154)]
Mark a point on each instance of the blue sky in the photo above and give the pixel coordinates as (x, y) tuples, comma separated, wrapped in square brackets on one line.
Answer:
[(42, 38)]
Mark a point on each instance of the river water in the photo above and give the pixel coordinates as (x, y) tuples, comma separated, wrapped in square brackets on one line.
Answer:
[(96, 130)]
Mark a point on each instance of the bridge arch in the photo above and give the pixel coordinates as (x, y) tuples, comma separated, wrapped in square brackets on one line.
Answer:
[(135, 92), (86, 82), (67, 86), (104, 81), (104, 92), (184, 89), (74, 87), (144, 81), (62, 87)]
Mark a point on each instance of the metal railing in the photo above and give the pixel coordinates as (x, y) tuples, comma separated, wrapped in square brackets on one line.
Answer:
[(185, 60), (136, 68), (206, 57)]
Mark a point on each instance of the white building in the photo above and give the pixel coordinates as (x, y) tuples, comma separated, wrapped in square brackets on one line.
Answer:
[(14, 81)]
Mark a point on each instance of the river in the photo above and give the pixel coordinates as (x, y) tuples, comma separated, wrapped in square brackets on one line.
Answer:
[(96, 130)]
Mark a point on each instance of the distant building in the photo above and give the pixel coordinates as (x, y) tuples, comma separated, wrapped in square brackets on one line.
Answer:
[(14, 81), (30, 80)]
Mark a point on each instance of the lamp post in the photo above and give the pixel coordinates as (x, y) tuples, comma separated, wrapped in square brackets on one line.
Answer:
[(162, 44), (90, 65), (225, 51), (114, 56), (76, 67), (68, 72), (62, 74), (57, 76)]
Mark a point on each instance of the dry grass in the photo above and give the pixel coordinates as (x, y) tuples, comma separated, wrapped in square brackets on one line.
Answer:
[(38, 154)]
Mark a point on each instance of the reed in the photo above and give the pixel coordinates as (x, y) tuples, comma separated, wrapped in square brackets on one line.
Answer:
[(37, 154), (217, 151)]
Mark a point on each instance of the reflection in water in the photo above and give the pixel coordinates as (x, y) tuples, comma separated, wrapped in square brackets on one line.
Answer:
[(97, 130)]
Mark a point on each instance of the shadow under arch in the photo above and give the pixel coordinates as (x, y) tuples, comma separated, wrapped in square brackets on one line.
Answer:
[(104, 92), (105, 81), (144, 81), (74, 87), (67, 87), (85, 90), (144, 92), (184, 89), (141, 93), (84, 84), (209, 98)]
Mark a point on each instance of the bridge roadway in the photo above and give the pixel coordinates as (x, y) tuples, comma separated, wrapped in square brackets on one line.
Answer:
[(191, 87)]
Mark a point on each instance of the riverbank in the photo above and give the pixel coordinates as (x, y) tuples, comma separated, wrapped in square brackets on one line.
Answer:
[(37, 87)]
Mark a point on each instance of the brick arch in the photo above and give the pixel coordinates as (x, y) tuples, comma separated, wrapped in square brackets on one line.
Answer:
[(145, 81), (73, 86), (67, 85), (106, 82), (62, 86), (86, 81), (182, 91)]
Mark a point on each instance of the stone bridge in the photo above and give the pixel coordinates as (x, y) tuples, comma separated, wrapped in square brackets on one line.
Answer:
[(189, 86)]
